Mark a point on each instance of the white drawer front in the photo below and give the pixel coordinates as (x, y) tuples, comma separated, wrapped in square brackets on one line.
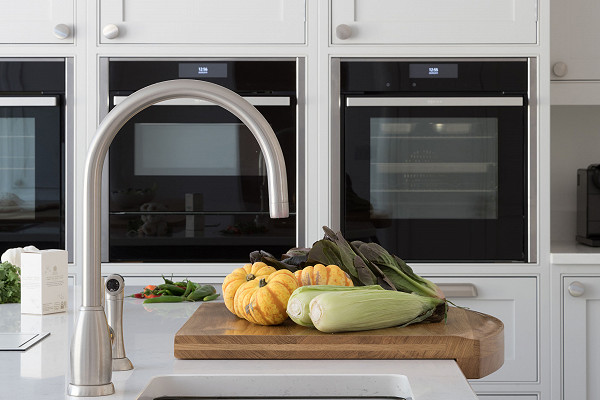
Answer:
[(514, 302)]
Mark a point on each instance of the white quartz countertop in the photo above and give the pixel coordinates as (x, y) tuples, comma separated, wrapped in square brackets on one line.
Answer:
[(41, 372)]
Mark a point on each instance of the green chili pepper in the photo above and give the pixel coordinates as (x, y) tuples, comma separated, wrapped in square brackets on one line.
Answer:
[(165, 299), (174, 289), (167, 281), (189, 288), (211, 297), (201, 292)]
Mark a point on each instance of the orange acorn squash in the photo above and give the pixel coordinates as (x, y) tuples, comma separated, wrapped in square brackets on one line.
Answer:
[(240, 276), (322, 275), (264, 301)]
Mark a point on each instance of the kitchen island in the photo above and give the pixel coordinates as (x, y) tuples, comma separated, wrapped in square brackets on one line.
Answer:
[(41, 372)]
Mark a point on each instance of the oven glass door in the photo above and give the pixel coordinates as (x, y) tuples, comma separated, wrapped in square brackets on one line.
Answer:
[(31, 159), (187, 183), (437, 179)]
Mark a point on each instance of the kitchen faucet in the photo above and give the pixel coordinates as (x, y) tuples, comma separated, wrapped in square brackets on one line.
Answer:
[(91, 359)]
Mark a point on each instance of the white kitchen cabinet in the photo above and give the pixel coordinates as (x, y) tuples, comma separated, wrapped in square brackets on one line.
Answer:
[(581, 337), (205, 22), (36, 21), (507, 396), (434, 21), (575, 54), (513, 300)]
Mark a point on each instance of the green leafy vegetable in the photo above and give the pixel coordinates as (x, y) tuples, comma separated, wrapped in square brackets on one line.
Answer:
[(269, 259), (327, 253), (10, 283), (398, 271), (381, 277), (369, 264)]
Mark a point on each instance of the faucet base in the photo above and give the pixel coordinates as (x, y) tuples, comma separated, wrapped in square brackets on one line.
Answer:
[(121, 364), (90, 390), (91, 355)]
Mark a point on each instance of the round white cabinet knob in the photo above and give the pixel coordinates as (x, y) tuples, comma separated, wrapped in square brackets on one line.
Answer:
[(343, 32), (62, 31), (576, 289), (110, 31), (560, 69)]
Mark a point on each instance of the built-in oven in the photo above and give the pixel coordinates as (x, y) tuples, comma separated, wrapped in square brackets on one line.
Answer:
[(33, 153), (186, 179), (437, 160)]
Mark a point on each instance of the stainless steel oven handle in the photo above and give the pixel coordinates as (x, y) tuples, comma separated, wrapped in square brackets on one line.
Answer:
[(433, 101), (24, 101), (254, 100)]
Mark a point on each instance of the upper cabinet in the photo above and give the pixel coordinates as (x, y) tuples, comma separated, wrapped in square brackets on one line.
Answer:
[(575, 53), (433, 21), (36, 21), (205, 22)]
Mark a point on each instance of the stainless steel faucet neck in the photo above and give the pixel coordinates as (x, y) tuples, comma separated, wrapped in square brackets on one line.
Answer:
[(91, 348)]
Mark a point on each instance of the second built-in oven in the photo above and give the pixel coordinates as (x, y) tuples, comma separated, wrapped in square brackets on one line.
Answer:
[(437, 159), (36, 153), (186, 179)]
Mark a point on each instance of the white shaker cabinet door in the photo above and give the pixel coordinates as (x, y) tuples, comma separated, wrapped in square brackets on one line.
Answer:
[(202, 21), (574, 53), (513, 300), (581, 338), (36, 21), (433, 21)]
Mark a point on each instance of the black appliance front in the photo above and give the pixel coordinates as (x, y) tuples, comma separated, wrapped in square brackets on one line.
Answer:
[(434, 161), (187, 181), (588, 205), (32, 157)]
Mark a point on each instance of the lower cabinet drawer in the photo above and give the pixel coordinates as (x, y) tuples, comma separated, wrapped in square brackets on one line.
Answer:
[(513, 300)]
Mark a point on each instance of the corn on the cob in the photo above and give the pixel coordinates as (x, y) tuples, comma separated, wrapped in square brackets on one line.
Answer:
[(372, 309), (299, 301)]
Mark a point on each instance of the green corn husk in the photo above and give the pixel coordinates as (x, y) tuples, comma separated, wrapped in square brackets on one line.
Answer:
[(373, 309), (299, 301)]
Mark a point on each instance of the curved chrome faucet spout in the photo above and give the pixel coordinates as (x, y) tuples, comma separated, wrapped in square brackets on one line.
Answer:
[(91, 360)]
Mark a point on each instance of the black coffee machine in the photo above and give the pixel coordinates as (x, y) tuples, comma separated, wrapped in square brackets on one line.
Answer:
[(588, 205)]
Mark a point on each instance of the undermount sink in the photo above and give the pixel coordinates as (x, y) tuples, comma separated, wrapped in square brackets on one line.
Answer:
[(284, 386)]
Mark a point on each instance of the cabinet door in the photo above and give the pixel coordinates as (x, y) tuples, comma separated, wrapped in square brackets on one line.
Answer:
[(513, 300), (433, 21), (574, 39), (581, 338), (206, 21), (36, 21)]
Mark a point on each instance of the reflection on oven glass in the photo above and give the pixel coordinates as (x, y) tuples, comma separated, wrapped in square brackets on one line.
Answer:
[(17, 168), (434, 168), (163, 149)]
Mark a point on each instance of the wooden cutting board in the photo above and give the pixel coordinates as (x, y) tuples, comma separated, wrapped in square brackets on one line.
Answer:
[(473, 339)]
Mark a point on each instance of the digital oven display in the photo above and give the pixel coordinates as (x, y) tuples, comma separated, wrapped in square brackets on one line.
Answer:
[(204, 70), (433, 71)]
